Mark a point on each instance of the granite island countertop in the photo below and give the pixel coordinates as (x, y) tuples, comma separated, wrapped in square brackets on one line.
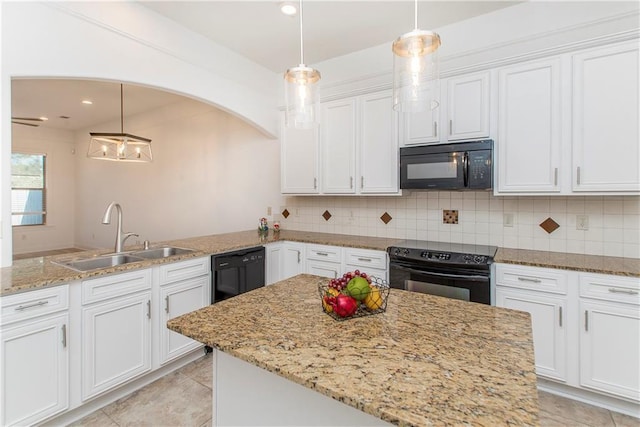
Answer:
[(426, 361)]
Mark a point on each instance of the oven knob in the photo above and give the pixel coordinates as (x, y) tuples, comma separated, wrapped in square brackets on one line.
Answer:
[(396, 251), (467, 259), (478, 259), (406, 251)]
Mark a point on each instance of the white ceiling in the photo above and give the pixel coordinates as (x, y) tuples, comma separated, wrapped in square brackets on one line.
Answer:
[(254, 29)]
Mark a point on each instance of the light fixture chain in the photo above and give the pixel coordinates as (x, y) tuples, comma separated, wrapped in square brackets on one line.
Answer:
[(121, 111), (301, 38)]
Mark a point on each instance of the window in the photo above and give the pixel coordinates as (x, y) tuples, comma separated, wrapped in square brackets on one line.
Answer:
[(28, 192)]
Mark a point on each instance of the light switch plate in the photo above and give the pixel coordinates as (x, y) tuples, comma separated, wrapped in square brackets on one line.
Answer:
[(507, 220), (582, 222)]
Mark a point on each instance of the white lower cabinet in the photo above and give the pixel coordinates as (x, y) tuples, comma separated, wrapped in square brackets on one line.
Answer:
[(293, 255), (324, 260), (116, 330), (372, 262), (599, 313), (180, 297), (35, 356), (609, 334)]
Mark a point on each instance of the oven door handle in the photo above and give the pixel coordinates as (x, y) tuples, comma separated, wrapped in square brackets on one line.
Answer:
[(445, 275)]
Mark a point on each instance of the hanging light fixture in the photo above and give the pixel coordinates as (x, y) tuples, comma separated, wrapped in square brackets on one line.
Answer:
[(301, 92), (122, 147), (415, 70)]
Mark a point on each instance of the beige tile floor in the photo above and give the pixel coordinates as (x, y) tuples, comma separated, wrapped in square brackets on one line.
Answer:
[(183, 398)]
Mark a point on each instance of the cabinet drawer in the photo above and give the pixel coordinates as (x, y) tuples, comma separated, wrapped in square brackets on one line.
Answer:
[(184, 269), (324, 253), (533, 278), (115, 285), (32, 304), (610, 288), (364, 258)]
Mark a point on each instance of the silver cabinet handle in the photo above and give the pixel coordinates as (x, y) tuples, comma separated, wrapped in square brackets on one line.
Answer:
[(315, 183), (64, 335), (149, 309), (586, 320), (435, 128), (35, 304), (555, 176), (578, 176), (362, 181), (526, 279), (450, 127), (335, 274), (166, 304), (623, 291), (560, 315), (322, 253), (350, 182), (298, 257), (365, 259)]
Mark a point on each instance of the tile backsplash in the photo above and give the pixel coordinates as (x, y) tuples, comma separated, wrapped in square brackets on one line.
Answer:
[(612, 222)]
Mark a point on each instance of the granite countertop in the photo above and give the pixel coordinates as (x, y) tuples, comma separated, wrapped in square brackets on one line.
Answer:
[(35, 273), (588, 263), (426, 361)]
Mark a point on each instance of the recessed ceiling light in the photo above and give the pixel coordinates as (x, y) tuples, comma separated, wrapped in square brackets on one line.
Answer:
[(288, 8), (87, 102), (43, 118)]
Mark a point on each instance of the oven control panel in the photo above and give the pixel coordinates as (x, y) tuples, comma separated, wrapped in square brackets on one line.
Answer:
[(443, 256), (438, 256)]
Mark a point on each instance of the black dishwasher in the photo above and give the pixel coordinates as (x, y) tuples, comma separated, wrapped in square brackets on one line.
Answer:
[(237, 272)]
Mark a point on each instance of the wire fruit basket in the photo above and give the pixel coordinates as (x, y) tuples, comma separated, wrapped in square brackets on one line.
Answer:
[(374, 302)]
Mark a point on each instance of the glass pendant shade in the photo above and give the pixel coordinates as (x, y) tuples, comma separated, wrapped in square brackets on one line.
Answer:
[(119, 147), (122, 147), (416, 72), (302, 96)]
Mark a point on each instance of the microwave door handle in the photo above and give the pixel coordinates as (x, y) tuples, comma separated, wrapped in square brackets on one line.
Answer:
[(445, 275), (465, 168)]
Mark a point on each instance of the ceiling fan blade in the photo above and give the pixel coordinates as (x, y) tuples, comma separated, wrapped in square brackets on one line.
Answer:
[(28, 119), (25, 124)]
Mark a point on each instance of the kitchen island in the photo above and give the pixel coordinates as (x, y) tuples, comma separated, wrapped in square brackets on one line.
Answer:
[(426, 361)]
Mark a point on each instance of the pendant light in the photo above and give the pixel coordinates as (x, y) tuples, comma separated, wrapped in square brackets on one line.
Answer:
[(415, 70), (301, 92), (122, 147)]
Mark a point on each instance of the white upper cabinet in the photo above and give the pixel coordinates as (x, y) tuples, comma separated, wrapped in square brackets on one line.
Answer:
[(464, 113), (379, 167), (606, 148), (338, 142), (529, 127), (468, 103), (299, 160)]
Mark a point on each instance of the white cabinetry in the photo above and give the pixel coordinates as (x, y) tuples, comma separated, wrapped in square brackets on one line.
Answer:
[(184, 287), (372, 262), (35, 356), (324, 260), (116, 330), (606, 119), (529, 127), (359, 145), (338, 142), (463, 115), (609, 348), (541, 293), (284, 260), (299, 160)]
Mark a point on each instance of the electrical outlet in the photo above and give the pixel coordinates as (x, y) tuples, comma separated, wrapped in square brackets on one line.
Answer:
[(582, 222), (268, 210), (507, 220)]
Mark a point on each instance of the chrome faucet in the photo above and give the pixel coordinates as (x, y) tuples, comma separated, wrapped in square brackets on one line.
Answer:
[(120, 237)]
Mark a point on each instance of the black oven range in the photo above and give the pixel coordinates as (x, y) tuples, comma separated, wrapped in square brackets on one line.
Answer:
[(452, 270)]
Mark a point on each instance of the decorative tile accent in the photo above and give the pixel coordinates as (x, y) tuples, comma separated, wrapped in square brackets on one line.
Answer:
[(285, 213), (449, 216), (386, 218), (326, 215), (549, 225)]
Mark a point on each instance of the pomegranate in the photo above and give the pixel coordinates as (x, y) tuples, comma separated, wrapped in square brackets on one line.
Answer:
[(343, 305)]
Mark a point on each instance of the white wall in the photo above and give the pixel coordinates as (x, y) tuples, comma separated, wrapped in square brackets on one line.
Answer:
[(614, 222), (58, 145), (125, 42), (211, 173)]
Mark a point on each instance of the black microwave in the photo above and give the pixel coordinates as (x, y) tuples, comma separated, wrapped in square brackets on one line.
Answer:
[(457, 166)]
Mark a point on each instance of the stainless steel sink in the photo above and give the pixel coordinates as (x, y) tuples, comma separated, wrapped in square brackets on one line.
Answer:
[(96, 263), (163, 252)]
